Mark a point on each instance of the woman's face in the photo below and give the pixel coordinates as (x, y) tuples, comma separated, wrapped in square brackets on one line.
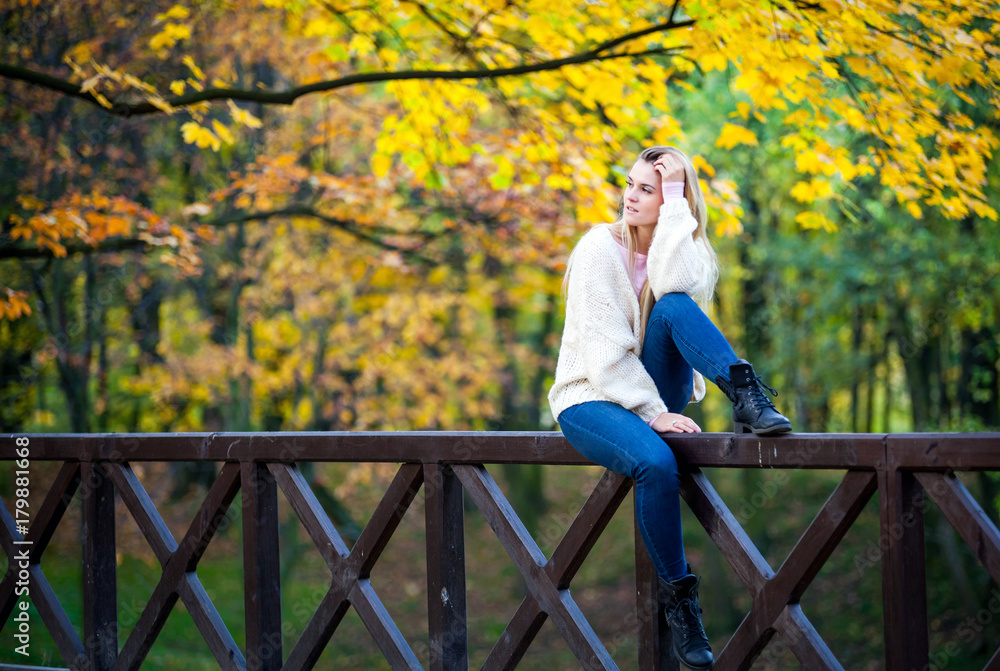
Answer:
[(643, 196)]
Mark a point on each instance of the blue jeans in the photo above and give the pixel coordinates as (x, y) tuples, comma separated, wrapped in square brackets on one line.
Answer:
[(680, 338)]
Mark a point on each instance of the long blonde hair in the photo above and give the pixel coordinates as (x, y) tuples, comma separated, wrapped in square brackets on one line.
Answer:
[(629, 237)]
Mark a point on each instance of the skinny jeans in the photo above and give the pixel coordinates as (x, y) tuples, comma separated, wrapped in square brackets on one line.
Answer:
[(679, 339)]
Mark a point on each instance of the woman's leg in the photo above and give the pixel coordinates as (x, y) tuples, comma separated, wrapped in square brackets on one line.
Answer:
[(616, 438), (619, 440), (679, 337)]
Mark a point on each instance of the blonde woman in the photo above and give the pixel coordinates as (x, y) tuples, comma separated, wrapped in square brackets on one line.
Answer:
[(636, 348)]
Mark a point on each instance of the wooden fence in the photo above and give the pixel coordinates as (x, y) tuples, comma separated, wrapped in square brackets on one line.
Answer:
[(901, 468)]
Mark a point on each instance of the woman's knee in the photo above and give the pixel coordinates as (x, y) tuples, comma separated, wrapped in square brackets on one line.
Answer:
[(672, 302), (659, 465)]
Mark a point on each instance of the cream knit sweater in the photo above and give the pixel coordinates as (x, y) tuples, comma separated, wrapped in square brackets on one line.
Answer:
[(599, 355)]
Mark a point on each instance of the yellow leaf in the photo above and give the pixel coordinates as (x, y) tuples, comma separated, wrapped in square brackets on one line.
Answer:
[(381, 164), (797, 117), (703, 166), (169, 36), (242, 117), (223, 132), (195, 134), (161, 104), (814, 221), (177, 87), (914, 210), (803, 192), (137, 83), (195, 70), (29, 202), (715, 60), (732, 135), (90, 83), (175, 12)]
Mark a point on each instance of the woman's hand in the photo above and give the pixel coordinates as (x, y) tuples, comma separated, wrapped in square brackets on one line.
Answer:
[(670, 167), (671, 422)]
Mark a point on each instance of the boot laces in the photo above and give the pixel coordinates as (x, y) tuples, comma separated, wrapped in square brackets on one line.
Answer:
[(757, 396), (684, 617)]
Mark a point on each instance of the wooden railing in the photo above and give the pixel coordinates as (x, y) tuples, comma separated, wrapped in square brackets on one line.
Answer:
[(901, 468)]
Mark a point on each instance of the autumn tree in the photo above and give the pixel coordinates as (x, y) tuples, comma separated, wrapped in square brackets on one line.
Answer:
[(166, 136)]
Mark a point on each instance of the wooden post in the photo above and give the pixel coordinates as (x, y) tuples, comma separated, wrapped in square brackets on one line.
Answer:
[(446, 606), (654, 634), (904, 582), (100, 585), (261, 571)]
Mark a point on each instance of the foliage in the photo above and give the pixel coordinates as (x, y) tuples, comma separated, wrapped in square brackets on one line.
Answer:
[(314, 216)]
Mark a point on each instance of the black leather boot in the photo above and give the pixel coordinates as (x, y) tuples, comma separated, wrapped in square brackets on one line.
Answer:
[(752, 409), (687, 636)]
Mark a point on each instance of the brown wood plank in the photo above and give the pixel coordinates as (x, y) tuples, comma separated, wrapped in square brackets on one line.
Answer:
[(805, 560), (143, 510), (994, 663), (801, 638), (904, 588), (211, 515), (189, 589), (209, 623), (385, 519), (566, 560), (100, 567), (342, 446), (178, 578), (943, 451), (444, 520), (349, 568), (261, 568), (506, 654), (654, 632), (383, 629), (588, 525), (967, 516), (310, 512), (50, 513), (307, 650), (56, 621), (46, 602), (44, 523), (528, 558), (854, 451), (727, 534), (151, 620)]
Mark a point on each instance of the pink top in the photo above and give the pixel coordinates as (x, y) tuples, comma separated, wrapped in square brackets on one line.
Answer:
[(671, 190), (639, 274)]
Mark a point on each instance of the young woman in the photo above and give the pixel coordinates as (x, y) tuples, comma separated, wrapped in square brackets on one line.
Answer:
[(635, 350)]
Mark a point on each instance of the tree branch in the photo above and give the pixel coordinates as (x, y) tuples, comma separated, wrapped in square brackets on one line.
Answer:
[(344, 225), (115, 245), (125, 244), (123, 109)]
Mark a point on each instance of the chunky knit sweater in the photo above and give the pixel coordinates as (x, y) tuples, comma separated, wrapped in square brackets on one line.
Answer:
[(599, 354)]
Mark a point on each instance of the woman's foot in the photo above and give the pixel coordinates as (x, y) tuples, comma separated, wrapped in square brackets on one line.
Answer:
[(687, 635), (752, 409)]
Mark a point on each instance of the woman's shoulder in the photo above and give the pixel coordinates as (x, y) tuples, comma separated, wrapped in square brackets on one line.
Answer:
[(598, 239)]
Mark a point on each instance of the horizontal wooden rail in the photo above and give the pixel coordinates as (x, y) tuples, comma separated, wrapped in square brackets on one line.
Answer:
[(259, 467)]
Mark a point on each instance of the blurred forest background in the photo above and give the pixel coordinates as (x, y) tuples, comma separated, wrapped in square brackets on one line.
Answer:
[(325, 215)]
